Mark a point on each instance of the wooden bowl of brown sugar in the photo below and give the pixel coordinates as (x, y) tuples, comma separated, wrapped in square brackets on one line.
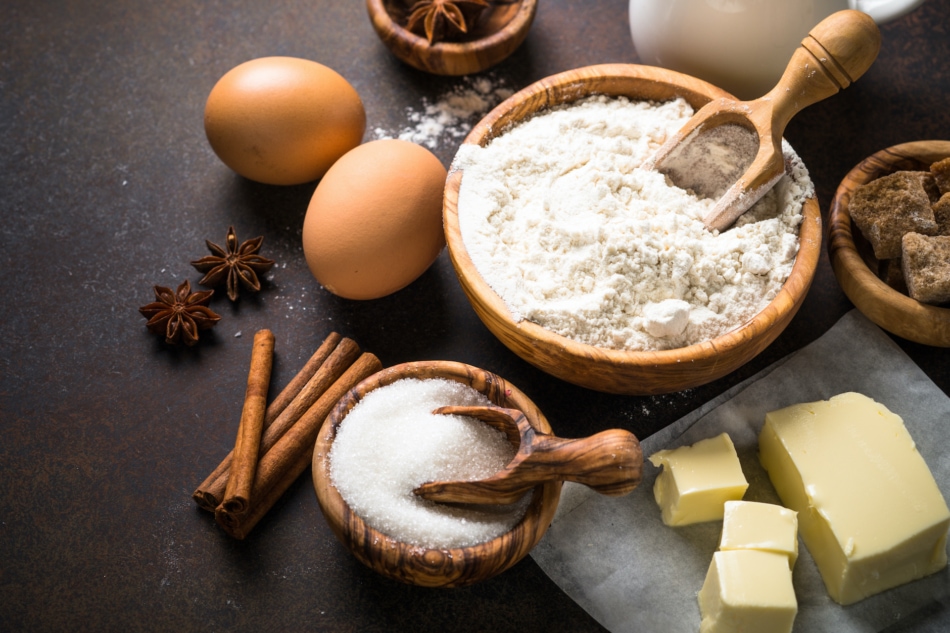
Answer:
[(860, 274), (621, 371), (417, 564), (495, 35)]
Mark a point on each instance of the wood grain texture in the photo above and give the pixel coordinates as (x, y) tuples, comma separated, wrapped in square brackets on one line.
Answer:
[(616, 371), (493, 38), (609, 462), (853, 261), (443, 567)]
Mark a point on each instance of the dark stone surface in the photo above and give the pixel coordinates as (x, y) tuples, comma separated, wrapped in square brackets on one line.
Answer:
[(108, 187)]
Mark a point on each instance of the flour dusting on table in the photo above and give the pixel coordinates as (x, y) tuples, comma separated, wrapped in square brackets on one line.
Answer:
[(450, 117)]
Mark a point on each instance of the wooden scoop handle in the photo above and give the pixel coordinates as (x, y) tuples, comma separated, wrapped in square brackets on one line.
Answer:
[(610, 462), (842, 47), (832, 56)]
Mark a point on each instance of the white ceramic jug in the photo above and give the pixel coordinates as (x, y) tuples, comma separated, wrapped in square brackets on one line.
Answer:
[(742, 46)]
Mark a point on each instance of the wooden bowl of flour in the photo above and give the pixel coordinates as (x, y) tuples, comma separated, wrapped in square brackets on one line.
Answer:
[(611, 370), (433, 567)]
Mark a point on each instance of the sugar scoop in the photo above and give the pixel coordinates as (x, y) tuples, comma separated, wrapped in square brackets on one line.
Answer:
[(732, 150), (610, 462)]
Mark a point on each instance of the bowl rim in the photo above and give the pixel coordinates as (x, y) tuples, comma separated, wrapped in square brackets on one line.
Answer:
[(551, 91), (414, 564), (517, 27), (852, 271)]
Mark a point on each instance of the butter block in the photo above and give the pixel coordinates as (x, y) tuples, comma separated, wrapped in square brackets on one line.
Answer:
[(869, 510), (749, 591), (760, 526), (697, 480)]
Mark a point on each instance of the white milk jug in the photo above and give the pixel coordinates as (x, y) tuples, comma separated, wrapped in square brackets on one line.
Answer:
[(742, 46)]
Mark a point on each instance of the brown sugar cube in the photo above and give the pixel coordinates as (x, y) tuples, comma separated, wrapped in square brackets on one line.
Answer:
[(892, 273), (941, 173), (942, 214), (926, 263), (929, 184), (887, 208)]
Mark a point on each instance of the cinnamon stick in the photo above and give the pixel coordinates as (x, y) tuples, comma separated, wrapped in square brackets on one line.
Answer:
[(338, 361), (293, 453), (209, 493), (247, 445), (302, 378)]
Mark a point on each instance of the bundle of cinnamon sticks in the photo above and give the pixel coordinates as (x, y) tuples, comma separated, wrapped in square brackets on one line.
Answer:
[(275, 443)]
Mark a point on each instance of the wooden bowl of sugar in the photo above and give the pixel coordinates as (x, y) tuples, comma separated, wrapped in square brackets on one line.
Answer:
[(852, 257), (600, 367), (499, 31), (407, 558)]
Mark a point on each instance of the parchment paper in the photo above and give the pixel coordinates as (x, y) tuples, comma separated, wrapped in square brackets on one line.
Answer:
[(615, 557)]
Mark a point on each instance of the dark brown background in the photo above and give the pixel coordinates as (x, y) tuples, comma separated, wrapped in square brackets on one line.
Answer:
[(108, 186)]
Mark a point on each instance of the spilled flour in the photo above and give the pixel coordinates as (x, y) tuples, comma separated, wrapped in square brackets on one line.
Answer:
[(561, 221), (451, 116)]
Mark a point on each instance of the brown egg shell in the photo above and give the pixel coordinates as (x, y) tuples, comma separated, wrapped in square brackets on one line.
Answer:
[(283, 120), (374, 223)]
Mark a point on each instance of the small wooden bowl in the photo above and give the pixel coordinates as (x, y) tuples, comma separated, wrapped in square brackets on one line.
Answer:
[(616, 371), (493, 38), (446, 567), (853, 259)]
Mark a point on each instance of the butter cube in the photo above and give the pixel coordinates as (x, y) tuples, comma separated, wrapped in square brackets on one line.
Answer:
[(697, 480), (749, 591), (761, 526), (869, 510)]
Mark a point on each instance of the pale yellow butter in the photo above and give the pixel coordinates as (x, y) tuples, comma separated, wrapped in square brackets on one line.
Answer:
[(869, 510), (761, 526), (749, 591), (697, 480)]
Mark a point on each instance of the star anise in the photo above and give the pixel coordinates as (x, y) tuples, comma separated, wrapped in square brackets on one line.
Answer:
[(180, 314), (441, 19), (238, 264)]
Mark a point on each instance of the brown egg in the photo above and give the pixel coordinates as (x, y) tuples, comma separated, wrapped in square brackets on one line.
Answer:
[(374, 223), (283, 120)]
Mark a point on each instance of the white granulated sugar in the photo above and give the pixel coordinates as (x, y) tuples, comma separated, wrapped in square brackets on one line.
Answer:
[(561, 221), (452, 116), (391, 443)]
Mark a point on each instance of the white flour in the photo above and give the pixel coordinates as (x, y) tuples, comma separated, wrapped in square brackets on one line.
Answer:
[(452, 115), (563, 224)]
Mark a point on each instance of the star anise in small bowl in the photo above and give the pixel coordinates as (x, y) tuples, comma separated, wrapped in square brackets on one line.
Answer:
[(179, 315), (238, 265), (443, 20), (452, 37)]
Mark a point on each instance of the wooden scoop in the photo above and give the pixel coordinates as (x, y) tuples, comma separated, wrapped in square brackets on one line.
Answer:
[(610, 462), (738, 156)]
